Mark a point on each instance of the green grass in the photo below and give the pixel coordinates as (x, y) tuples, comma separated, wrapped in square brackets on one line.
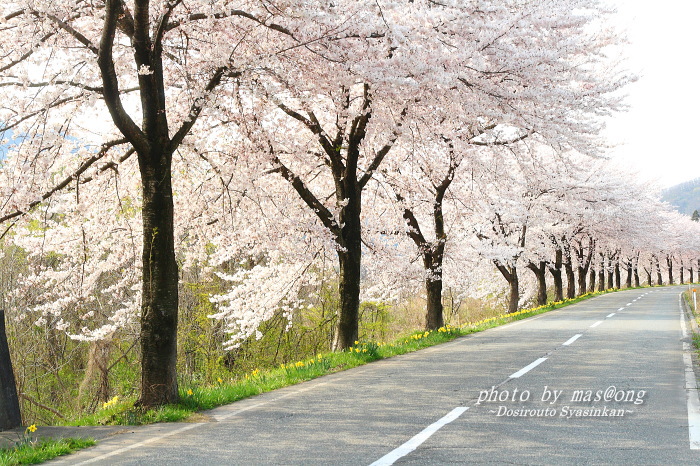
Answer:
[(34, 452), (197, 398)]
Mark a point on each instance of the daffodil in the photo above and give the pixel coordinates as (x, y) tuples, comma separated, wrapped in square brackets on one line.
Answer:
[(189, 392), (32, 428)]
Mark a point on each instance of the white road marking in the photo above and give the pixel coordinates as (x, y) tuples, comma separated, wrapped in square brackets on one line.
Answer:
[(621, 309), (691, 388), (417, 440), (596, 324), (628, 304), (572, 339), (527, 368), (609, 315)]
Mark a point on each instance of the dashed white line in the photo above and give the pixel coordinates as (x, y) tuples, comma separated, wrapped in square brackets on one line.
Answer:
[(596, 324), (621, 309), (572, 339), (527, 368), (628, 304), (609, 315), (417, 440)]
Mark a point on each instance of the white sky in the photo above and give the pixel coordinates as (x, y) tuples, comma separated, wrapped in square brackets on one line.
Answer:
[(659, 131)]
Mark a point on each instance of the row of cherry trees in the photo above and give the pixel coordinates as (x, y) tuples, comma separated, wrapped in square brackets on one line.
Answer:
[(386, 145)]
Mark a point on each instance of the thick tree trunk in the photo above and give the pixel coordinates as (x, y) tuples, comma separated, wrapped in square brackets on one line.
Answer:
[(682, 275), (540, 272), (591, 280), (570, 281), (514, 296), (669, 264), (159, 305), (347, 330), (434, 312), (618, 278), (510, 273), (636, 277), (555, 270), (692, 275), (582, 273), (601, 273)]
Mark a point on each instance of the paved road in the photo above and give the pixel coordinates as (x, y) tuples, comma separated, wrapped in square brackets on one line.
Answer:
[(620, 389)]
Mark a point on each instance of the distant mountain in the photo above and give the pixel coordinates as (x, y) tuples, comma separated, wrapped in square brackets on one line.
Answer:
[(685, 197)]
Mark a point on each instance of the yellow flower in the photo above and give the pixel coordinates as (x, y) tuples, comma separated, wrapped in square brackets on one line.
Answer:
[(219, 380), (364, 350), (32, 428), (357, 342), (189, 392)]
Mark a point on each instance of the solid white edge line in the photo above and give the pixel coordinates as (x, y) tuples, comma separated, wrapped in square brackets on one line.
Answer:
[(417, 440), (609, 315), (691, 389), (527, 368), (596, 324), (572, 339)]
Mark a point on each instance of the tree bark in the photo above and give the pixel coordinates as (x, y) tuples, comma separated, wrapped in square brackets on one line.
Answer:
[(601, 273), (434, 312), (584, 256), (510, 273), (669, 264), (659, 279), (159, 306), (555, 270), (570, 277), (618, 278), (349, 260), (591, 280), (540, 272)]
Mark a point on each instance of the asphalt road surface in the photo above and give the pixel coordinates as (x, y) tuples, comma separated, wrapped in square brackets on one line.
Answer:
[(604, 381)]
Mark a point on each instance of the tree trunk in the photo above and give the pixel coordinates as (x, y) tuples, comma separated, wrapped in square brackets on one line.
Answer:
[(556, 275), (434, 312), (591, 280), (692, 275), (159, 306), (541, 275), (510, 273), (628, 281), (659, 279), (584, 263), (347, 330), (570, 280), (601, 273), (618, 278), (669, 264)]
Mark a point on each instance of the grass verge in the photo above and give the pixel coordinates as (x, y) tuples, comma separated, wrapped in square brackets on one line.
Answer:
[(198, 398), (28, 451)]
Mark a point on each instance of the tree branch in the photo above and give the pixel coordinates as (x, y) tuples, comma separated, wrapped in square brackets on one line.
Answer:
[(110, 83), (73, 176)]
